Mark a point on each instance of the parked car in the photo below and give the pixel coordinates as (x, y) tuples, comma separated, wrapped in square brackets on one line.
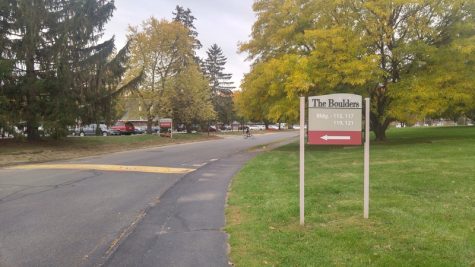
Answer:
[(273, 127), (225, 127), (257, 127), (124, 127), (90, 129), (180, 128), (140, 129), (156, 129)]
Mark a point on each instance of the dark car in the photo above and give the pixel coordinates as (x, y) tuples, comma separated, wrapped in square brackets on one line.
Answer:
[(124, 127)]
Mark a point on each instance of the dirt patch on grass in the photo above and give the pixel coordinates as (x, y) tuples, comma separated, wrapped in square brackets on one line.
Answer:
[(233, 215)]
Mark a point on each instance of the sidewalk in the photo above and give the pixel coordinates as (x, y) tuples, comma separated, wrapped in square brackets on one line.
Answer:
[(185, 227)]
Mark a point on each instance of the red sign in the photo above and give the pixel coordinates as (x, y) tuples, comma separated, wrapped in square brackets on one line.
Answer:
[(165, 124), (334, 137)]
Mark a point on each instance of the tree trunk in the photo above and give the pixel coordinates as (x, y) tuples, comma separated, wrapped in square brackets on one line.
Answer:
[(378, 115), (266, 123), (98, 129), (380, 132), (149, 125), (32, 129), (31, 115), (378, 128)]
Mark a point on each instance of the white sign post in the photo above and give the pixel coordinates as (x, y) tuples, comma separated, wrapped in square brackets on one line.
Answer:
[(167, 123), (366, 163), (302, 159), (334, 120)]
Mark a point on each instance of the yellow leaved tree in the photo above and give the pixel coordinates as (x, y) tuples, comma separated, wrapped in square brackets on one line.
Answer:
[(412, 58), (163, 52)]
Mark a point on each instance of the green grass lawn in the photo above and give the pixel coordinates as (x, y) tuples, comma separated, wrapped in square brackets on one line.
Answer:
[(422, 204), (21, 151)]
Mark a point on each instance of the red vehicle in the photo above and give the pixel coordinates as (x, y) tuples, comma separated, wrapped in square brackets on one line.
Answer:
[(124, 127)]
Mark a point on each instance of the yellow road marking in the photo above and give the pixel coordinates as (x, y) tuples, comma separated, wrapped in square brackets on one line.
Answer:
[(102, 167)]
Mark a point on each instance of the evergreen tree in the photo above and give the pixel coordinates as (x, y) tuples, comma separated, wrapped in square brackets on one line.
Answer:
[(105, 84), (213, 68), (5, 67), (221, 86), (54, 46), (184, 16)]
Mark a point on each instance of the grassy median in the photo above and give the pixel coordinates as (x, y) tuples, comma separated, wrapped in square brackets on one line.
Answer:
[(21, 151), (422, 204)]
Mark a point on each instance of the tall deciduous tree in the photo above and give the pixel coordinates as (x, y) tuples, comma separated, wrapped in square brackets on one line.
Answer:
[(160, 49), (189, 98), (163, 52), (219, 81), (387, 50)]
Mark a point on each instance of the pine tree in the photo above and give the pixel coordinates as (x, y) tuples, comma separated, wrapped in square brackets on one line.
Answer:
[(105, 85), (5, 69), (54, 46), (184, 16), (213, 68), (221, 86)]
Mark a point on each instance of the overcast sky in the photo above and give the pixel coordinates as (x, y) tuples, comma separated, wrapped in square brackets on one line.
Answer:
[(224, 22)]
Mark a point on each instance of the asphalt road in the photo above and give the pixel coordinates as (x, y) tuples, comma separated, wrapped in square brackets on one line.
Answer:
[(131, 216)]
